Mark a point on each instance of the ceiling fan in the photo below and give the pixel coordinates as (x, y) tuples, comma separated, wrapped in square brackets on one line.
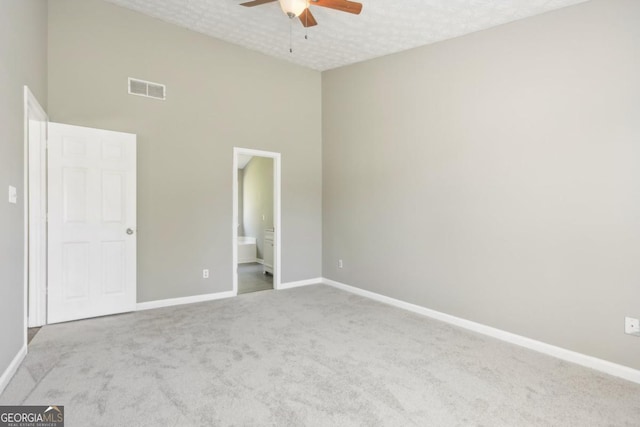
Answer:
[(300, 8)]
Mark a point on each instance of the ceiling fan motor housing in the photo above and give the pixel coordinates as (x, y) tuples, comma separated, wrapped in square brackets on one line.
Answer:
[(293, 8), (300, 8)]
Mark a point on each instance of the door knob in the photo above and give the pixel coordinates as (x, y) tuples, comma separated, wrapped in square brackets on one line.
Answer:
[(129, 231)]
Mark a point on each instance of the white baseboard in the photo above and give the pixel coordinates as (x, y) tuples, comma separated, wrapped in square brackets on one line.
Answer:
[(183, 300), (601, 365), (12, 368), (289, 285), (259, 261)]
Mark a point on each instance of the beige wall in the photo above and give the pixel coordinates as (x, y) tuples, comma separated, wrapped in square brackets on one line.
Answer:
[(23, 56), (257, 193), (496, 177), (218, 96)]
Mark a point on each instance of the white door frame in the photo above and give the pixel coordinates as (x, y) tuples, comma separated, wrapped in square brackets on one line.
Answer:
[(277, 173), (35, 256)]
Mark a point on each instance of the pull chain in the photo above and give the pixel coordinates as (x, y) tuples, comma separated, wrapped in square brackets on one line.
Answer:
[(290, 35)]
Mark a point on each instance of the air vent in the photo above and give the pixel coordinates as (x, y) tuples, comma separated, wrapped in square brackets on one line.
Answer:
[(148, 89)]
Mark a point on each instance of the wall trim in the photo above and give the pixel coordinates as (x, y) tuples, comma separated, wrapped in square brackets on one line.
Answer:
[(148, 305), (12, 368), (250, 261), (32, 300), (297, 284), (601, 365)]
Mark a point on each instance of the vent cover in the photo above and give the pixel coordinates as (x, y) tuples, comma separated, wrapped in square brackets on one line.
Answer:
[(147, 89)]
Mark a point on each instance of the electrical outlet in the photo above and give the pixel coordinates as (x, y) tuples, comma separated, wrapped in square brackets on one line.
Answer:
[(205, 274), (340, 265), (632, 326)]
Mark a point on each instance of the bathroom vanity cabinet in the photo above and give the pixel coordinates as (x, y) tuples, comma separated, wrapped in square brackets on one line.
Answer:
[(269, 247)]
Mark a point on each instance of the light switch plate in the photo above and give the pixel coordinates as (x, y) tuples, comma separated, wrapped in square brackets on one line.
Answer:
[(13, 195)]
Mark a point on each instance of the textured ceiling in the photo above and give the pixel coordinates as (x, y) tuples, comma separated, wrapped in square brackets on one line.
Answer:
[(383, 27)]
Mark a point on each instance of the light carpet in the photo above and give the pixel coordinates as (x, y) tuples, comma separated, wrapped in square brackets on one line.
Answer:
[(312, 356)]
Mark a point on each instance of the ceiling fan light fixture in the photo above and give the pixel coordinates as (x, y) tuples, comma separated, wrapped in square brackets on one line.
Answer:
[(293, 8)]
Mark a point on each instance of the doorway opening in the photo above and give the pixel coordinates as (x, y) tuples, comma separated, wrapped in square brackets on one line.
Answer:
[(79, 221), (35, 215), (256, 220)]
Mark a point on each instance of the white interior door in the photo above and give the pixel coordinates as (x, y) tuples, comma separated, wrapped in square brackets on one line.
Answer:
[(92, 222)]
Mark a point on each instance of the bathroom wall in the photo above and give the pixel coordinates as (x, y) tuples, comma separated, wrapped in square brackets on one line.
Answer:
[(258, 199), (240, 202)]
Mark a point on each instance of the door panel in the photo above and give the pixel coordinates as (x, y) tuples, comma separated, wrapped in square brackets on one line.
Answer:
[(75, 271), (113, 267), (92, 203), (113, 201), (74, 193)]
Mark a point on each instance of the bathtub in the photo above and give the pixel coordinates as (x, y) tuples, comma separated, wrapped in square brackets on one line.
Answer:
[(247, 249)]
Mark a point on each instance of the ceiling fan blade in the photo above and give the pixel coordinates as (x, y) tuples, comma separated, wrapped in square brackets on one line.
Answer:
[(256, 3), (342, 5), (307, 18)]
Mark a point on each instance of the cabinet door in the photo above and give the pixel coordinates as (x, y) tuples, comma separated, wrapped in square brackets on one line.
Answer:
[(268, 254)]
